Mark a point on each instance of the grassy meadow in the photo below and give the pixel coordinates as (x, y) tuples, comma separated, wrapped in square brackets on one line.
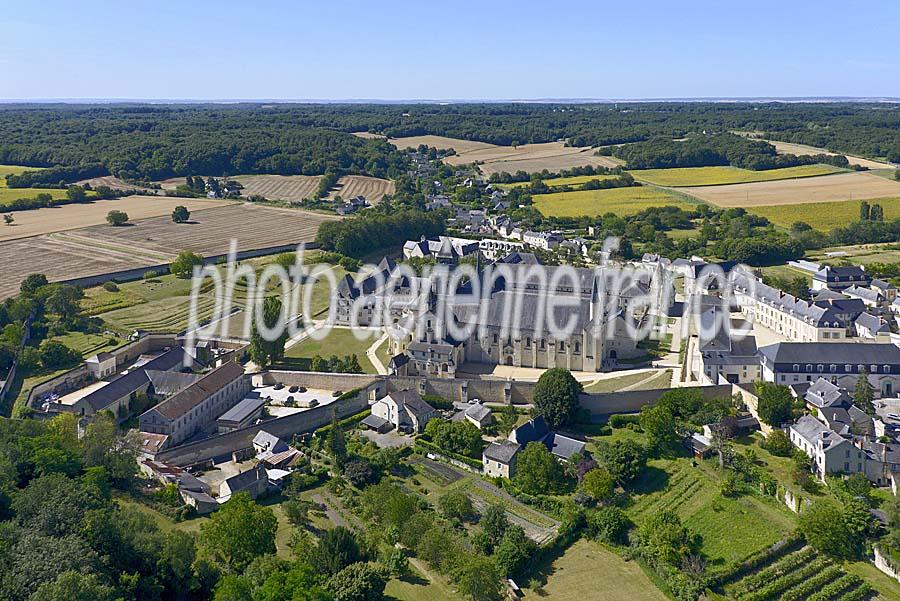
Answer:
[(824, 216), (715, 176), (340, 342), (621, 201)]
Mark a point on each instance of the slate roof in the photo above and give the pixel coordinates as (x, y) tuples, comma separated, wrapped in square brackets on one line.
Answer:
[(813, 431), (501, 451), (850, 353), (242, 410), (413, 402), (873, 323), (814, 313), (873, 296), (136, 378), (823, 393), (246, 479), (882, 285), (849, 273), (478, 412), (563, 446), (269, 442), (373, 421), (166, 383), (534, 430), (517, 258), (191, 396)]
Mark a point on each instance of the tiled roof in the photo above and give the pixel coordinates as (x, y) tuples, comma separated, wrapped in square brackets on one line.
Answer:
[(191, 396)]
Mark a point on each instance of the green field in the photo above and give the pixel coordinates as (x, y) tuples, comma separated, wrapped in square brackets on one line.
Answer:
[(824, 216), (575, 180), (588, 571), (13, 170), (8, 195), (714, 176), (621, 201), (340, 342)]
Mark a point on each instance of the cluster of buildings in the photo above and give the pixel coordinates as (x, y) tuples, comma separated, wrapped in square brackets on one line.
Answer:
[(499, 457)]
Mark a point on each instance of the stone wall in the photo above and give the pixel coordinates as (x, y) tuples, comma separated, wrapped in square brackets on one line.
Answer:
[(283, 427)]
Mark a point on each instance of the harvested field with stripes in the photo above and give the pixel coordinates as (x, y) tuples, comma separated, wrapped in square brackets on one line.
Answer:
[(74, 216), (101, 249), (373, 188), (293, 188), (825, 188), (491, 158)]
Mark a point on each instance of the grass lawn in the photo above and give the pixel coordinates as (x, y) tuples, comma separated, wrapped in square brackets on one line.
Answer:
[(415, 587), (26, 384), (787, 272), (730, 528), (824, 216), (340, 342), (383, 352), (614, 384), (887, 587), (621, 201), (714, 176), (87, 344), (588, 571)]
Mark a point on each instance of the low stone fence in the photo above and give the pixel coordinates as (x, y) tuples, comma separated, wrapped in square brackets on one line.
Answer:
[(882, 563)]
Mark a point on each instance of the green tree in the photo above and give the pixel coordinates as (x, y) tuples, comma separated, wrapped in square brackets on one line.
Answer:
[(832, 530), (239, 531), (775, 402), (32, 283), (76, 194), (659, 424), (183, 265), (337, 549), (494, 522), (358, 582), (865, 211), (556, 397), (265, 352), (117, 218), (778, 443), (73, 586), (863, 393), (625, 460), (665, 539), (608, 524), (477, 578), (537, 472), (56, 355), (598, 483), (336, 443), (180, 214), (456, 504), (514, 552), (63, 301)]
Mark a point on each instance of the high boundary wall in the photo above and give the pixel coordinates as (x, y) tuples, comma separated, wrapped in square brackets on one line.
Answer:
[(283, 427), (137, 273), (487, 390)]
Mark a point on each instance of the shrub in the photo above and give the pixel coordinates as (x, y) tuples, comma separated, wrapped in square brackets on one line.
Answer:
[(609, 525), (621, 420), (778, 444), (110, 286)]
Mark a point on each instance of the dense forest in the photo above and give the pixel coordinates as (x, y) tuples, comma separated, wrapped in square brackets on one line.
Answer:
[(157, 141), (154, 142), (717, 149)]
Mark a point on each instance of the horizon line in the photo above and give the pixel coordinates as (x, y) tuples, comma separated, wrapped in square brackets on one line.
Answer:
[(573, 100)]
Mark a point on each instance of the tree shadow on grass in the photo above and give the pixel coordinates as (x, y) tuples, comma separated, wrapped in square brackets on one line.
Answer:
[(652, 480)]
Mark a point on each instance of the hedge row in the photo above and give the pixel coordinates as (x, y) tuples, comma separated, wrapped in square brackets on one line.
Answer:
[(346, 423), (428, 446)]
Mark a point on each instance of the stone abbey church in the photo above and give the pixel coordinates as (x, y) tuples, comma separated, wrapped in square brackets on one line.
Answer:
[(509, 327)]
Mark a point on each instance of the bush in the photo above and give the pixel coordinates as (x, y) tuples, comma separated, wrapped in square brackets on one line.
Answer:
[(621, 420), (117, 218), (778, 444), (608, 525), (110, 286)]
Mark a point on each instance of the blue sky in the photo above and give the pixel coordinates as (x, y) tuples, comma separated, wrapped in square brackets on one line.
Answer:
[(457, 49)]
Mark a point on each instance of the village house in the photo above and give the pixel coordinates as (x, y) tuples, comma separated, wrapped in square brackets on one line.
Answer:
[(536, 430), (840, 278), (254, 481), (499, 459), (543, 240), (404, 410), (830, 453)]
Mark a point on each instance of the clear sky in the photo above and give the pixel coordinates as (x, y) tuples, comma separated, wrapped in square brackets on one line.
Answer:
[(461, 49)]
